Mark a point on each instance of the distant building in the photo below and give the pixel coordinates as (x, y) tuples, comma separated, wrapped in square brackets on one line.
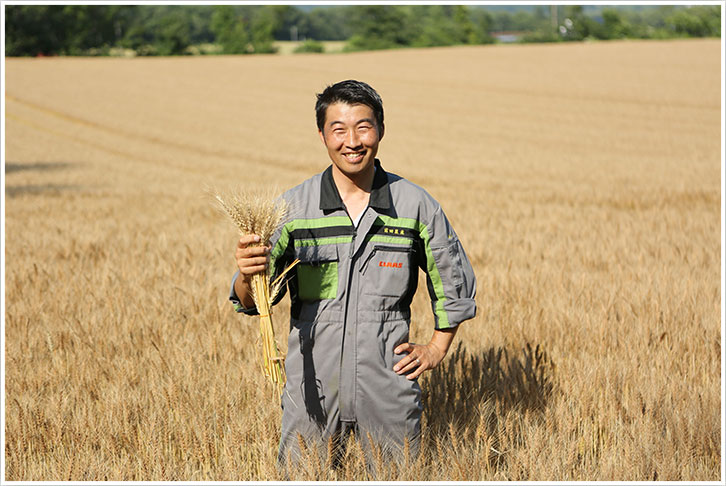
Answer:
[(507, 36)]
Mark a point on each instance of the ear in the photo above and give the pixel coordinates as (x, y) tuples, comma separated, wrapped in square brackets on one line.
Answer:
[(381, 131), (322, 137)]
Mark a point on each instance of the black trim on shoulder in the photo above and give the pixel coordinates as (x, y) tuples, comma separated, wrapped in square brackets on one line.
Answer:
[(326, 232)]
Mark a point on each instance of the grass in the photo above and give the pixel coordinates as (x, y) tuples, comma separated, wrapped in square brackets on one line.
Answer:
[(288, 47), (588, 203)]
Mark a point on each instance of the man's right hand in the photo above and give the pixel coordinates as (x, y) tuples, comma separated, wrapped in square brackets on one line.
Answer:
[(251, 259)]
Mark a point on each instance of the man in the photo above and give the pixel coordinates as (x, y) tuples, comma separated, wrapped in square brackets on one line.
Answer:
[(361, 235)]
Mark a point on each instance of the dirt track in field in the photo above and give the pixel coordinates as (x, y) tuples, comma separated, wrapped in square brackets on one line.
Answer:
[(583, 180)]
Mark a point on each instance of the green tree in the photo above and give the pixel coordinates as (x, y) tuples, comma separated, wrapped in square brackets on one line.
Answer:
[(89, 26), (174, 34), (28, 30), (523, 20), (710, 15), (464, 26), (137, 33), (539, 14), (331, 23), (614, 25), (378, 27), (482, 21), (578, 26), (229, 28), (200, 22), (502, 21), (650, 22), (433, 25), (31, 30), (158, 29), (262, 27), (287, 17), (697, 21)]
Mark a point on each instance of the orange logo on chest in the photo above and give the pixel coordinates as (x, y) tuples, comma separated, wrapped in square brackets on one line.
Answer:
[(390, 264)]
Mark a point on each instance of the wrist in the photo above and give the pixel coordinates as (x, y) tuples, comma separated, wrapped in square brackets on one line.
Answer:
[(438, 350), (243, 290), (442, 339)]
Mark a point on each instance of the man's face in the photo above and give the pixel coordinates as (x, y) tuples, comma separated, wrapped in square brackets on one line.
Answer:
[(351, 136)]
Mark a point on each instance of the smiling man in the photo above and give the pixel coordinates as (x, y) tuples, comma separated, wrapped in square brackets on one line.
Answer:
[(361, 235)]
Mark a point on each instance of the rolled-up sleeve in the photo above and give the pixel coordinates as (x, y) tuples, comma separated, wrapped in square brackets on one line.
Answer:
[(449, 275)]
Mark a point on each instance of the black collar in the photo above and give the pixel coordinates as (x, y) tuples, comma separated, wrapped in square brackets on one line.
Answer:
[(380, 193)]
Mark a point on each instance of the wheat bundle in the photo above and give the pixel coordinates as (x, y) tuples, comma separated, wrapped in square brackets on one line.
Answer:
[(261, 214)]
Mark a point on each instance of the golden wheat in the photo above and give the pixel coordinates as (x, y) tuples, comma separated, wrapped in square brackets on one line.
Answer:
[(587, 198), (257, 213)]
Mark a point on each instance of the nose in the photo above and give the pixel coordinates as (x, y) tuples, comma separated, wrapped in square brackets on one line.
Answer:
[(351, 139)]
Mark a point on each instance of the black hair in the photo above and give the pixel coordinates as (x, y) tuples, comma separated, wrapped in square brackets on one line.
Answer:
[(350, 92)]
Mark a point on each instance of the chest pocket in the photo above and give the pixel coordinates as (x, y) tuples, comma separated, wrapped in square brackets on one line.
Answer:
[(387, 271), (317, 272)]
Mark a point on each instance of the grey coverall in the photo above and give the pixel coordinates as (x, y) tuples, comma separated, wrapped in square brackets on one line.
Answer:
[(350, 306)]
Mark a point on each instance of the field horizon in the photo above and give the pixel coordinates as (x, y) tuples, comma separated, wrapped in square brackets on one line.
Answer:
[(583, 179)]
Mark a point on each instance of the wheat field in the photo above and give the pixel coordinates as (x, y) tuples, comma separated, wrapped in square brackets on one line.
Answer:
[(583, 180)]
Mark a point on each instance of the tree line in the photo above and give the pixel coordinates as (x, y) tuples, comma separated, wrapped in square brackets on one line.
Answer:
[(32, 30)]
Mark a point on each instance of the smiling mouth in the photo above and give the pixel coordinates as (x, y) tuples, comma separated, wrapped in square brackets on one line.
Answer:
[(354, 156)]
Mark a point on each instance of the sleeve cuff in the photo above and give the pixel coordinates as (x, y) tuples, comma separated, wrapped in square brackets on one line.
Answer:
[(238, 307), (457, 311)]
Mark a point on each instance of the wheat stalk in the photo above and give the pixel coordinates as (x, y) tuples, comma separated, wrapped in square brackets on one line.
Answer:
[(261, 214)]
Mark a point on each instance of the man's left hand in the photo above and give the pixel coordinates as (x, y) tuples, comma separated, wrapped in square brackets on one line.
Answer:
[(422, 357)]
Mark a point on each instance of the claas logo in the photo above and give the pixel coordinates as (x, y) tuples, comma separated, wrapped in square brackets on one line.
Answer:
[(390, 264)]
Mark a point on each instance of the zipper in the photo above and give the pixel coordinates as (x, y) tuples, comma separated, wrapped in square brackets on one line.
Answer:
[(346, 323)]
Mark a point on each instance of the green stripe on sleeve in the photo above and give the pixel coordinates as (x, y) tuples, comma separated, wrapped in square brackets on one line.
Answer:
[(435, 277), (281, 244)]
